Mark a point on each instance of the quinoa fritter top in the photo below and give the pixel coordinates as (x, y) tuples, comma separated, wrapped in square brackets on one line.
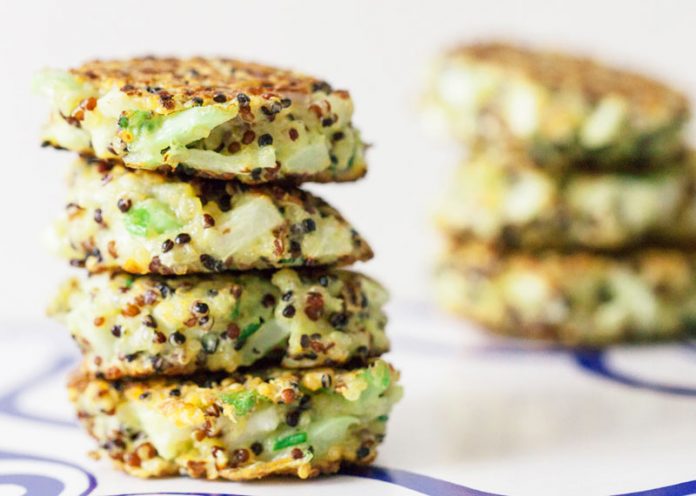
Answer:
[(179, 83)]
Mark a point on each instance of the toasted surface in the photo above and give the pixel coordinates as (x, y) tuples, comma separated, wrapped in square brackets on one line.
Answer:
[(574, 298), (240, 427), (501, 196), (134, 326), (562, 109), (218, 117), (144, 222)]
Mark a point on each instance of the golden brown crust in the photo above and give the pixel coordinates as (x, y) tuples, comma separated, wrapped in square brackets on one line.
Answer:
[(557, 71), (179, 83), (297, 319), (96, 189), (240, 426), (577, 298), (502, 196)]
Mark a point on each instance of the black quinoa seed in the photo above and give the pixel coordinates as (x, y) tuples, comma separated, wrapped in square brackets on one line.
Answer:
[(98, 217), (182, 238), (328, 121), (243, 99), (292, 418), (177, 338), (211, 263), (164, 289), (272, 110), (362, 452), (304, 341), (145, 395), (256, 448), (321, 86), (326, 381), (175, 392), (132, 356), (286, 296), (289, 311), (265, 140), (338, 320), (157, 363), (200, 308), (167, 245), (295, 247), (309, 225), (220, 98), (124, 204), (116, 331)]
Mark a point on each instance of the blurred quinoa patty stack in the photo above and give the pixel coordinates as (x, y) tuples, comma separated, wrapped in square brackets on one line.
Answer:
[(563, 110), (221, 337), (572, 216), (576, 298), (498, 195)]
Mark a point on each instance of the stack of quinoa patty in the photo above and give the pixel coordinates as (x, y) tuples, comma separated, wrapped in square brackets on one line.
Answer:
[(220, 338), (574, 215)]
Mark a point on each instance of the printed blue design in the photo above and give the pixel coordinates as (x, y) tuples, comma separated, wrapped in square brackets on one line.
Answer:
[(682, 489), (168, 493), (42, 485), (8, 401), (595, 362), (430, 486), (34, 485), (422, 484)]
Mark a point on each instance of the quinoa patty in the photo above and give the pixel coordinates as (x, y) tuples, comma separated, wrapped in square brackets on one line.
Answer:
[(144, 222), (500, 196), (576, 298), (217, 117), (240, 427), (563, 110), (142, 325)]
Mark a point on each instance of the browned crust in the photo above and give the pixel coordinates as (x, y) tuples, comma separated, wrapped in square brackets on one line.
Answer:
[(357, 171), (654, 260), (562, 71), (135, 457), (179, 83), (667, 272), (209, 190)]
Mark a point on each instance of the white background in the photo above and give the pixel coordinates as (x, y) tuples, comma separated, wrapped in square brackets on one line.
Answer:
[(376, 49)]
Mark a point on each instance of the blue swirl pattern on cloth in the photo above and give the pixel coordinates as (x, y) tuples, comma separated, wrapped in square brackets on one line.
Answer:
[(40, 484)]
